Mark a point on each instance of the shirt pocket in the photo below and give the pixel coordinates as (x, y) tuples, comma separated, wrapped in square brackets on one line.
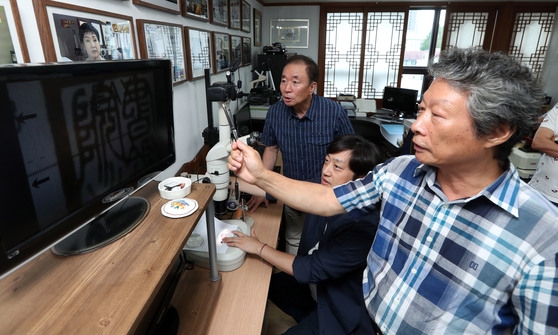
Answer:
[(319, 139)]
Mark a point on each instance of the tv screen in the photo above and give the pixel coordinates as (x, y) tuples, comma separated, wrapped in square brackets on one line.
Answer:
[(76, 139), (400, 100)]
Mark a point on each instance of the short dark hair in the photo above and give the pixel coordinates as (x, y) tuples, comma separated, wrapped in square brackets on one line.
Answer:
[(87, 27), (312, 69), (500, 91), (365, 155)]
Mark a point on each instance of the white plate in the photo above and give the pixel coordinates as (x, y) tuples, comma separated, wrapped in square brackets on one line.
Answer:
[(179, 208)]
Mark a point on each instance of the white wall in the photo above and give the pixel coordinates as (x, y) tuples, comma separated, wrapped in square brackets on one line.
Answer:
[(190, 112), (312, 13)]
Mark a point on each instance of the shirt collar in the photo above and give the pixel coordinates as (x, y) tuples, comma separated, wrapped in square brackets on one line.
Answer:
[(503, 192), (310, 113)]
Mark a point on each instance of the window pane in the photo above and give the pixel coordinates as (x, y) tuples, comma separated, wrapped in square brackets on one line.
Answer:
[(466, 30), (413, 82), (531, 35), (343, 49), (384, 37), (419, 34), (440, 35)]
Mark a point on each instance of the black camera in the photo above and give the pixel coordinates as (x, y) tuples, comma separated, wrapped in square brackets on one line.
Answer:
[(276, 48)]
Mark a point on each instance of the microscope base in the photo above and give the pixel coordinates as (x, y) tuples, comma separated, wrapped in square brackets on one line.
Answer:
[(228, 261)]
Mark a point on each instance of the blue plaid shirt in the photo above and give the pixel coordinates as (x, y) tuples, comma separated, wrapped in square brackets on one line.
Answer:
[(479, 265), (303, 142)]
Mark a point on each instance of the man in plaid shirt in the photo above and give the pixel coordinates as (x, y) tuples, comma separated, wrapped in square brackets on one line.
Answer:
[(463, 245)]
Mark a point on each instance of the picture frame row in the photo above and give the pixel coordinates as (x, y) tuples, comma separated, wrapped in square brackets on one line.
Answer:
[(74, 33), (234, 14)]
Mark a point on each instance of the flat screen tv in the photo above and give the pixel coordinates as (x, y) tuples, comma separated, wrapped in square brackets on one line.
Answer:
[(77, 140), (400, 100)]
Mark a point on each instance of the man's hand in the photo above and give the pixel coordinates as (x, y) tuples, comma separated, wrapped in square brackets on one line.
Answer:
[(245, 162), (255, 202), (247, 243)]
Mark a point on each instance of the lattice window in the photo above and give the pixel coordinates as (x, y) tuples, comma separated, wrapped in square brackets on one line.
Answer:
[(466, 29), (530, 38), (382, 52), (342, 53)]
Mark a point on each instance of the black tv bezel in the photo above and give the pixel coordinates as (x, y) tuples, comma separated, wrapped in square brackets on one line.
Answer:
[(16, 256), (404, 91)]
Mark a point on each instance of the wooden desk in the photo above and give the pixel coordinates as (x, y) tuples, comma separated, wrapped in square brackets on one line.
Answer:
[(238, 305), (107, 291)]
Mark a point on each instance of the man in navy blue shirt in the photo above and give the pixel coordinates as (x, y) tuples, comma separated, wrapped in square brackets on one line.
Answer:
[(301, 126), (321, 288)]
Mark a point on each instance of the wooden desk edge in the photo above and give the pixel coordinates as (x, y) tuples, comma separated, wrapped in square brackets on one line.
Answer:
[(235, 309), (107, 290)]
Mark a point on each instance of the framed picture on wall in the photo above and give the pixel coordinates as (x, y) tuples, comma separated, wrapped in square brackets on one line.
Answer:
[(246, 51), (236, 48), (172, 6), (164, 40), (292, 33), (221, 52), (74, 33), (199, 51), (245, 15), (257, 28), (12, 41), (196, 9), (234, 14), (220, 12)]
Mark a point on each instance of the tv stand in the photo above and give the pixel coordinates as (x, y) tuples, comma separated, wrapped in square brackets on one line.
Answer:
[(118, 221)]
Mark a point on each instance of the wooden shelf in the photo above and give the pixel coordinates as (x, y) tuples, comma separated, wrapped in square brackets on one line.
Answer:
[(106, 291)]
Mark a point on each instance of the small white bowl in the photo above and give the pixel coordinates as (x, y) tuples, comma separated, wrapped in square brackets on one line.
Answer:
[(175, 188)]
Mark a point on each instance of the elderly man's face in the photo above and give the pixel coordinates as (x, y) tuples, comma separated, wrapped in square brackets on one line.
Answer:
[(295, 85), (444, 132)]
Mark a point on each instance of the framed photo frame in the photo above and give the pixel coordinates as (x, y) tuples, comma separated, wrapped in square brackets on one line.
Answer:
[(246, 51), (292, 33), (172, 6), (236, 48), (245, 16), (199, 51), (221, 52), (196, 9), (12, 41), (164, 40), (104, 35), (234, 14), (219, 13), (257, 28)]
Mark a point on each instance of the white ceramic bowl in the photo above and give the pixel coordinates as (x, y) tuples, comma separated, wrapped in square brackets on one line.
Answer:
[(175, 188)]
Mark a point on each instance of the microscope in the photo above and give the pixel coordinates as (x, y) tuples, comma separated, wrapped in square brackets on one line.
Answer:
[(223, 93), (216, 160)]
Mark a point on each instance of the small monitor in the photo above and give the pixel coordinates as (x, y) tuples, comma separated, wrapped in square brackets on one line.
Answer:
[(400, 100)]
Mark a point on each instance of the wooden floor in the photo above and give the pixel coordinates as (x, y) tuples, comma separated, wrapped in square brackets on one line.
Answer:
[(276, 322)]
